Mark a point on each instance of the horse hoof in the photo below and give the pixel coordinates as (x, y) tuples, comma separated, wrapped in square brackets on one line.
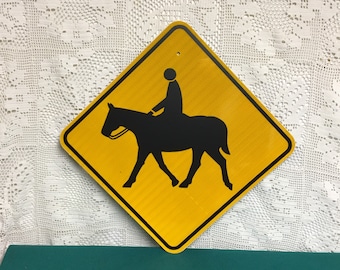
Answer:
[(128, 185), (229, 185), (184, 185), (175, 183)]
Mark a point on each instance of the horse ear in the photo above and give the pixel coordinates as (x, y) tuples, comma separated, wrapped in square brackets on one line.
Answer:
[(110, 105)]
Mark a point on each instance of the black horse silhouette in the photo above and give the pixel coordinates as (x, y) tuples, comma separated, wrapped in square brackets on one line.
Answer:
[(157, 134)]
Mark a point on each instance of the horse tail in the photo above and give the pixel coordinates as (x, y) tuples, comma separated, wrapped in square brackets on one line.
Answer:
[(226, 149), (224, 145)]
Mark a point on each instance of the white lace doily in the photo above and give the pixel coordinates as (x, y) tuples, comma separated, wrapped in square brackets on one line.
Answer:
[(56, 56)]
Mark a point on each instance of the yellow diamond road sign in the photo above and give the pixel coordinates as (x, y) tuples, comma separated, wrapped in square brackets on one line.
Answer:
[(177, 138)]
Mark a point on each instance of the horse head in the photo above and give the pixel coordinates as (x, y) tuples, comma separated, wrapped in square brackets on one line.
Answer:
[(110, 123)]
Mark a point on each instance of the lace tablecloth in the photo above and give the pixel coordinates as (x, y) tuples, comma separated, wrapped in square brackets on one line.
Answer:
[(56, 56)]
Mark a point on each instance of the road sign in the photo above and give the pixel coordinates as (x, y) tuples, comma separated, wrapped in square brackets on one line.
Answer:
[(177, 138)]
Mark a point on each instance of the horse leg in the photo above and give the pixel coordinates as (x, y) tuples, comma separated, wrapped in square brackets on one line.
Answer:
[(217, 156), (160, 161), (196, 163), (140, 161)]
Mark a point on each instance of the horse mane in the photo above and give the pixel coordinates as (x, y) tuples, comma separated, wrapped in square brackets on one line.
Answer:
[(131, 117), (130, 112)]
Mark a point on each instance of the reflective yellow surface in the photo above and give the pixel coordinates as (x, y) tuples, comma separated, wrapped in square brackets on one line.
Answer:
[(175, 216)]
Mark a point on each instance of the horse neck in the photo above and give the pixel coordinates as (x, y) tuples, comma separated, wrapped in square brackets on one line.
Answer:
[(130, 119)]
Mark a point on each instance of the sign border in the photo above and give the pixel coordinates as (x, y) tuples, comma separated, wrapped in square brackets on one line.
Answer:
[(148, 51)]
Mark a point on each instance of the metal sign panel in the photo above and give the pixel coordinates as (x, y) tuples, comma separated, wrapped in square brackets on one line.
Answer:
[(177, 138)]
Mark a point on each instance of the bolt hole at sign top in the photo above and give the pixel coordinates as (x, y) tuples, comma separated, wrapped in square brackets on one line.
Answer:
[(178, 53)]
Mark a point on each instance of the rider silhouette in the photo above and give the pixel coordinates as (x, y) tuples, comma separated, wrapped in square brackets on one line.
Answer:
[(172, 103), (173, 131)]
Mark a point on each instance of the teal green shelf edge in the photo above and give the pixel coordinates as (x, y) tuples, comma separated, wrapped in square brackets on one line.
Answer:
[(93, 257)]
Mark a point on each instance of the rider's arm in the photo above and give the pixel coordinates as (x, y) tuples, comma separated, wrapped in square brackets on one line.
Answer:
[(159, 106)]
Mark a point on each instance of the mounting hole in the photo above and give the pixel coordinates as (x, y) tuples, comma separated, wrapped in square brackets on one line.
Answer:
[(178, 53)]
